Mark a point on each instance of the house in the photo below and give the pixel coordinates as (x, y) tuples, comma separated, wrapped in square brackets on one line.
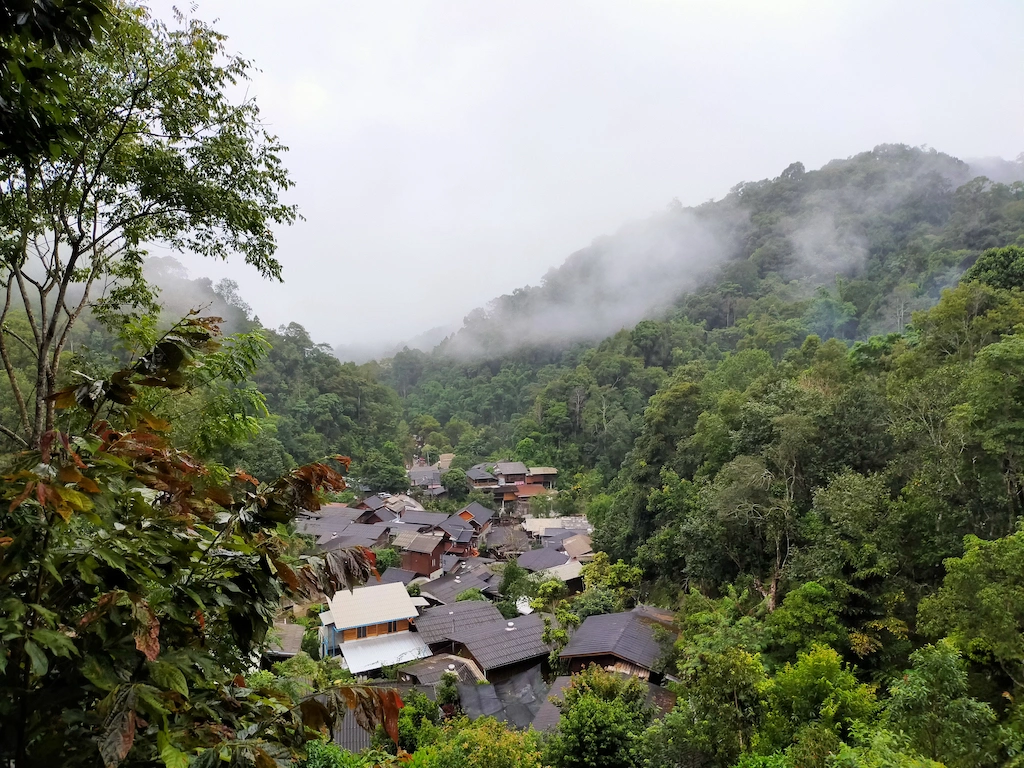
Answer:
[(523, 494), (424, 521), (462, 536), (285, 641), (429, 671), (444, 462), (443, 624), (422, 555), (477, 515), (424, 477), (505, 541), (372, 502), (401, 502), (479, 477), (396, 576), (619, 642), (501, 648), (370, 627), (545, 476), (571, 573), (330, 518), (542, 559), (547, 717), (510, 472), (379, 515)]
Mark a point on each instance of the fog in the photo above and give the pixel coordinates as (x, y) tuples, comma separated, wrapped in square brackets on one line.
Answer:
[(446, 153)]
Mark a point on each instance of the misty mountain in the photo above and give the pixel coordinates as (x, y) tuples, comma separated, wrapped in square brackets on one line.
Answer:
[(846, 220)]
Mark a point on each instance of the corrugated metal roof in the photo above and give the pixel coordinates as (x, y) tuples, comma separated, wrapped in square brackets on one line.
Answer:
[(395, 576), (624, 635), (510, 468), (445, 622), (384, 650), (447, 588), (374, 604), (475, 473), (374, 502), (537, 525), (420, 518), (542, 559), (497, 644), (286, 639), (571, 570), (543, 471)]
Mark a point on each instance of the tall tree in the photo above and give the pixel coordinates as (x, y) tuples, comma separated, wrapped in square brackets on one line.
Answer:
[(162, 154)]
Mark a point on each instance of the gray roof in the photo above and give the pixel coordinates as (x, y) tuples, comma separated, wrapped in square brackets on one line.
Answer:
[(355, 535), (286, 640), (425, 476), (480, 513), (455, 525), (396, 576), (420, 518), (578, 545), (446, 622), (510, 468), (542, 559), (375, 502), (478, 473), (424, 543), (514, 700), (496, 644), (428, 671), (557, 535), (330, 517), (507, 537), (447, 588), (627, 636), (348, 734)]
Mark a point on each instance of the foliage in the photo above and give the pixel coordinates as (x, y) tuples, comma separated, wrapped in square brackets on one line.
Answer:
[(470, 594), (387, 557), (483, 743)]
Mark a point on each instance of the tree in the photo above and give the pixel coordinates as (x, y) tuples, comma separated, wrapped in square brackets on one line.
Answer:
[(138, 582), (931, 706), (387, 557), (163, 155), (999, 267), (482, 743), (470, 594), (455, 482)]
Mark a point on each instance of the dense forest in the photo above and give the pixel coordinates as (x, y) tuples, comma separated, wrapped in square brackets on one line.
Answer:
[(794, 417)]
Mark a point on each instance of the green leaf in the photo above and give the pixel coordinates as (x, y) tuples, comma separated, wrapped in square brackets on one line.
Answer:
[(39, 661), (55, 642), (171, 755), (101, 676), (168, 677)]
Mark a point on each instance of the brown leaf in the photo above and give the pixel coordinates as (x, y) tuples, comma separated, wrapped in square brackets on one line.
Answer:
[(315, 715), (263, 760), (118, 733), (147, 629), (65, 398), (102, 606), (286, 573), (20, 498)]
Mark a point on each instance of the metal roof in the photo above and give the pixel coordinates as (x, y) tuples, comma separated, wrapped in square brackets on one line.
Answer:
[(425, 476), (542, 559), (355, 535), (505, 536), (403, 539), (447, 588), (374, 604), (446, 622), (396, 576), (476, 473), (424, 543), (510, 468), (500, 643), (543, 471), (624, 635), (384, 650), (420, 518), (374, 502), (480, 513), (429, 671), (330, 517), (571, 570)]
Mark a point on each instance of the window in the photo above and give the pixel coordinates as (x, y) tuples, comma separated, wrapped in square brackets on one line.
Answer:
[(361, 632), (392, 626)]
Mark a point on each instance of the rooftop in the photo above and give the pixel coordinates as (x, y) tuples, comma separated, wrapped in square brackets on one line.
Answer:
[(420, 518), (446, 622), (500, 643), (447, 588), (479, 474), (429, 671), (578, 545), (383, 650), (424, 543), (509, 468), (374, 502), (375, 604), (396, 576), (478, 513), (548, 715), (542, 559), (285, 639), (543, 471), (627, 636)]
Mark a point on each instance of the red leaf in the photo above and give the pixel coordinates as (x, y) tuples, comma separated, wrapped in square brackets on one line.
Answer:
[(147, 629)]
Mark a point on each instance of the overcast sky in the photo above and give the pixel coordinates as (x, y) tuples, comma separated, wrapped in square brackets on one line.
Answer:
[(448, 152)]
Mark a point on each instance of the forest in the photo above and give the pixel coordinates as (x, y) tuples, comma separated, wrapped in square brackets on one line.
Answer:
[(801, 430)]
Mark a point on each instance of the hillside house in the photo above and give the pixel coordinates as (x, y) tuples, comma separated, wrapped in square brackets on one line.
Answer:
[(422, 555), (479, 477), (370, 628), (510, 472), (477, 515), (546, 476), (618, 642)]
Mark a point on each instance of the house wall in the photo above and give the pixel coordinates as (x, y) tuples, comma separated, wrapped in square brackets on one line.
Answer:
[(331, 639), (422, 563)]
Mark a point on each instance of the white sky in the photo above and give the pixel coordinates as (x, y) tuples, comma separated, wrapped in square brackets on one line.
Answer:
[(446, 152)]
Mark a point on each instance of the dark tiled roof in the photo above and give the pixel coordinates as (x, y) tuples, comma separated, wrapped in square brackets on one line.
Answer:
[(329, 518), (624, 635), (454, 525), (420, 518), (553, 536), (444, 622), (542, 559), (355, 535), (514, 701), (495, 644), (480, 513), (439, 491), (477, 473), (507, 537), (446, 589), (374, 502)]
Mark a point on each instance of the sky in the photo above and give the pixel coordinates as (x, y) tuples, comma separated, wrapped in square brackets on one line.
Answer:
[(450, 151)]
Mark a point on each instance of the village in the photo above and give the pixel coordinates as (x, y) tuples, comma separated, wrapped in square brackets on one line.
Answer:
[(438, 615)]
